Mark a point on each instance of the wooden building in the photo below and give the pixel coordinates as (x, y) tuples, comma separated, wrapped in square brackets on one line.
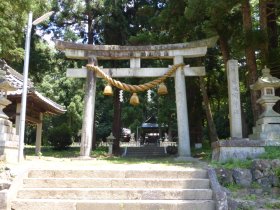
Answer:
[(37, 104)]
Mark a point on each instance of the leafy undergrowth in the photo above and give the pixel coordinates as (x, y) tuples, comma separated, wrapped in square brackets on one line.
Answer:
[(231, 164), (271, 153)]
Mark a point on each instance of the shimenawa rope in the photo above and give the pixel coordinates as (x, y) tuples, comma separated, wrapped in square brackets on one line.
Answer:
[(134, 88)]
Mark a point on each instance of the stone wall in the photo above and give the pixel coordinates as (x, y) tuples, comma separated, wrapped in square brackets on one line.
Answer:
[(264, 172), (8, 141), (260, 180), (5, 183)]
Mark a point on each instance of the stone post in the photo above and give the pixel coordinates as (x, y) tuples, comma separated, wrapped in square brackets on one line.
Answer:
[(184, 149), (234, 99), (39, 135), (18, 108), (110, 141), (89, 106)]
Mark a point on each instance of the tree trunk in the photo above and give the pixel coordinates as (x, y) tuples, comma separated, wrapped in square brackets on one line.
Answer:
[(272, 24), (117, 122), (224, 49), (263, 27), (210, 121), (90, 22), (250, 57)]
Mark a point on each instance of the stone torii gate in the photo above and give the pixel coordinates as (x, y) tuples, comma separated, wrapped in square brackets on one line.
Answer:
[(177, 52)]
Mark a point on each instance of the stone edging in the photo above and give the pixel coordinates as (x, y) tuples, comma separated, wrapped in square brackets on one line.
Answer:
[(219, 195), (10, 194)]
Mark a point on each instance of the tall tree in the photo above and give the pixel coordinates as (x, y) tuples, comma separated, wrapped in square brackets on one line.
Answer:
[(13, 19), (250, 55)]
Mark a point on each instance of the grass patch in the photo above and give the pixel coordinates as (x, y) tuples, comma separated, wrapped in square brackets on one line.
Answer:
[(271, 153), (251, 197), (204, 154), (70, 152), (231, 164), (275, 205), (233, 187), (48, 151)]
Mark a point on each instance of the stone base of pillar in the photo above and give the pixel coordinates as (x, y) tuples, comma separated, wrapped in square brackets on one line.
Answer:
[(242, 149), (9, 141), (268, 132)]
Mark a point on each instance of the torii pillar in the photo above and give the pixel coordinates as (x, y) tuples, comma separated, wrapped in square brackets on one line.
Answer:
[(88, 115), (184, 149)]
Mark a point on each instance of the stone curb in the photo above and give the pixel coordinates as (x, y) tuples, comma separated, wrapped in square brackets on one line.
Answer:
[(219, 195), (16, 184)]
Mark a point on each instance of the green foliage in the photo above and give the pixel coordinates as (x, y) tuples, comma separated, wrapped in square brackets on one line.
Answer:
[(271, 153), (230, 164), (49, 151), (274, 205), (100, 152), (60, 137), (251, 197), (276, 171), (13, 19)]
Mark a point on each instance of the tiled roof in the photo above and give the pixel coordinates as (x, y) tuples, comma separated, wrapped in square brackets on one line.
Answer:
[(16, 80)]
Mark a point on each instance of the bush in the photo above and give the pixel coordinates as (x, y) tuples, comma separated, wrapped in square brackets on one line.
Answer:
[(171, 150), (60, 137)]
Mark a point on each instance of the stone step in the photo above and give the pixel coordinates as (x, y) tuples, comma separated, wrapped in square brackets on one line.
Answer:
[(143, 149), (145, 155), (115, 194), (115, 183), (53, 204), (164, 174)]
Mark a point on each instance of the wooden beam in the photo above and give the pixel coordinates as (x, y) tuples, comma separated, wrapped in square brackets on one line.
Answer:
[(33, 120), (136, 72)]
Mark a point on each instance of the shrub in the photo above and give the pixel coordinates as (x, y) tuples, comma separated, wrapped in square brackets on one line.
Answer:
[(60, 137), (171, 150)]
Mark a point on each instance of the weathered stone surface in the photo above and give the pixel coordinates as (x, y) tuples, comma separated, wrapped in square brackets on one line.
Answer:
[(264, 172), (224, 176), (234, 99), (82, 51), (220, 196), (275, 180), (261, 165), (257, 174), (275, 163), (137, 189), (3, 199), (236, 149), (4, 185), (242, 177), (232, 204)]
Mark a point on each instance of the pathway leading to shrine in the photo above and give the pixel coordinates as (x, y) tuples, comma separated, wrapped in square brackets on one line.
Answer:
[(65, 183)]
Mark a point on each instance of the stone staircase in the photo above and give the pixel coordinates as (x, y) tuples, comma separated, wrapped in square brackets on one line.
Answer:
[(148, 151), (115, 190)]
